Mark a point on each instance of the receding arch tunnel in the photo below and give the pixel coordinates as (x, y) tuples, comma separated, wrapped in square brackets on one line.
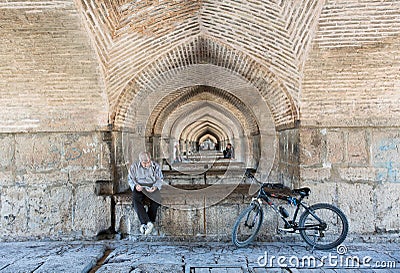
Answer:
[(199, 100), (202, 110)]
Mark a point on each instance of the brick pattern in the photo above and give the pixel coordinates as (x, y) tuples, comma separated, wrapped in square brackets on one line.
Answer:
[(280, 102), (355, 23), (49, 74), (274, 34), (353, 87), (200, 93), (267, 42)]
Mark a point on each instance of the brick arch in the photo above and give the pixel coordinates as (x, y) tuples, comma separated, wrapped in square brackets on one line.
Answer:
[(202, 128), (201, 50), (201, 93), (193, 119), (185, 124)]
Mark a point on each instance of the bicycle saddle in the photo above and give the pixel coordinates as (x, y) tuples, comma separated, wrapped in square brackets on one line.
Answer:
[(302, 191)]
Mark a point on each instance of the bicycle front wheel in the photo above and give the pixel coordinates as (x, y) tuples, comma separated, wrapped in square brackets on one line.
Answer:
[(247, 225), (323, 226)]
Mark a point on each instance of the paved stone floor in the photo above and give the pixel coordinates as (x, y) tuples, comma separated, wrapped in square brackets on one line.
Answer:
[(196, 257)]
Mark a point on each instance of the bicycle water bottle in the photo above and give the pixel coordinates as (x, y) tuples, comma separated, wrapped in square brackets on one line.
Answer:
[(283, 212)]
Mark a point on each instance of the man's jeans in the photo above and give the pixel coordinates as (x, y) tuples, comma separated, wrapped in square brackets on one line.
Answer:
[(140, 199)]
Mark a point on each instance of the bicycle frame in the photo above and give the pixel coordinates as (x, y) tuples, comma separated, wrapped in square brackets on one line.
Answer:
[(290, 225)]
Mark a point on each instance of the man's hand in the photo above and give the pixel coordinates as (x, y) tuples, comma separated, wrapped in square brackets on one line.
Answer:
[(138, 187), (152, 189)]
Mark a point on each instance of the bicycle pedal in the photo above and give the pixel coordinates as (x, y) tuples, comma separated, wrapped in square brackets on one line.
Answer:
[(285, 230)]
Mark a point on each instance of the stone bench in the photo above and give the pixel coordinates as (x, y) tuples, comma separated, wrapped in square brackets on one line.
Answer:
[(189, 213)]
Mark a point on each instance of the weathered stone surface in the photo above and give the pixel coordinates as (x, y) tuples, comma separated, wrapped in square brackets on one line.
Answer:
[(385, 155), (6, 151), (310, 147), (49, 210), (357, 149), (335, 144), (38, 153), (315, 174), (32, 178), (358, 174), (49, 257), (51, 192), (7, 178), (14, 212), (182, 257), (387, 204), (322, 192), (91, 213), (356, 201)]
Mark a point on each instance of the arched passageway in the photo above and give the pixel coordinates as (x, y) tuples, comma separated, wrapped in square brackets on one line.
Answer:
[(200, 101)]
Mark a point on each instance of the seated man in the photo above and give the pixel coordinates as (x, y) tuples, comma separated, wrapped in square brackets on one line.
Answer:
[(145, 179), (229, 152)]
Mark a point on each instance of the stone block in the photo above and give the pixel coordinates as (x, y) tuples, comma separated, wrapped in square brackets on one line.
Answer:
[(84, 176), (45, 152), (270, 223), (356, 201), (335, 146), (321, 192), (126, 220), (92, 213), (357, 148), (182, 221), (385, 154), (7, 147), (219, 219), (13, 212), (311, 147), (48, 178), (38, 152), (385, 148), (387, 207), (361, 174), (49, 210), (82, 150), (315, 174), (288, 147), (7, 178)]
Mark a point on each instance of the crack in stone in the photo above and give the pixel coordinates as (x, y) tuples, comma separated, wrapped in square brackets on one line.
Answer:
[(102, 260)]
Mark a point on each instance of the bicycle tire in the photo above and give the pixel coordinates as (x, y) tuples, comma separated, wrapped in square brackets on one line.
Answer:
[(243, 234), (335, 232)]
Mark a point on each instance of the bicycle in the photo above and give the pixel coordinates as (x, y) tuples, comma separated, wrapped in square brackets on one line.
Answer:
[(322, 225)]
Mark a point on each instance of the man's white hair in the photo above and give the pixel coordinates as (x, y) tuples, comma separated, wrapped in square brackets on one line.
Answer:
[(144, 157)]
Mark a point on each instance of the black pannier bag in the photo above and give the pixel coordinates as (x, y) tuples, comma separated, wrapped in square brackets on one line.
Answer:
[(277, 188)]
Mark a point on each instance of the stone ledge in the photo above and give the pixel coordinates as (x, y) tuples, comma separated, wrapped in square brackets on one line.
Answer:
[(238, 195)]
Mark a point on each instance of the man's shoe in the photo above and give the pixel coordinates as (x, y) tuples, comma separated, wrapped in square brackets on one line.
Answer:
[(149, 228), (143, 228)]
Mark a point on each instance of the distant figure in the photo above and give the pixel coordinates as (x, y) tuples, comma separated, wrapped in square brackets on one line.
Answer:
[(229, 152), (177, 153)]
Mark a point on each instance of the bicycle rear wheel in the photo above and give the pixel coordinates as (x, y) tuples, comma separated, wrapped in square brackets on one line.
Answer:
[(329, 233), (247, 225)]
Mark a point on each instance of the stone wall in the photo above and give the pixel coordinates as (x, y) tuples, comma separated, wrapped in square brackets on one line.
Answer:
[(48, 185), (358, 170), (52, 111)]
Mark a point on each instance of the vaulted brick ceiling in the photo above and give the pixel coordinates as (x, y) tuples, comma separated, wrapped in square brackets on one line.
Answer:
[(266, 42)]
